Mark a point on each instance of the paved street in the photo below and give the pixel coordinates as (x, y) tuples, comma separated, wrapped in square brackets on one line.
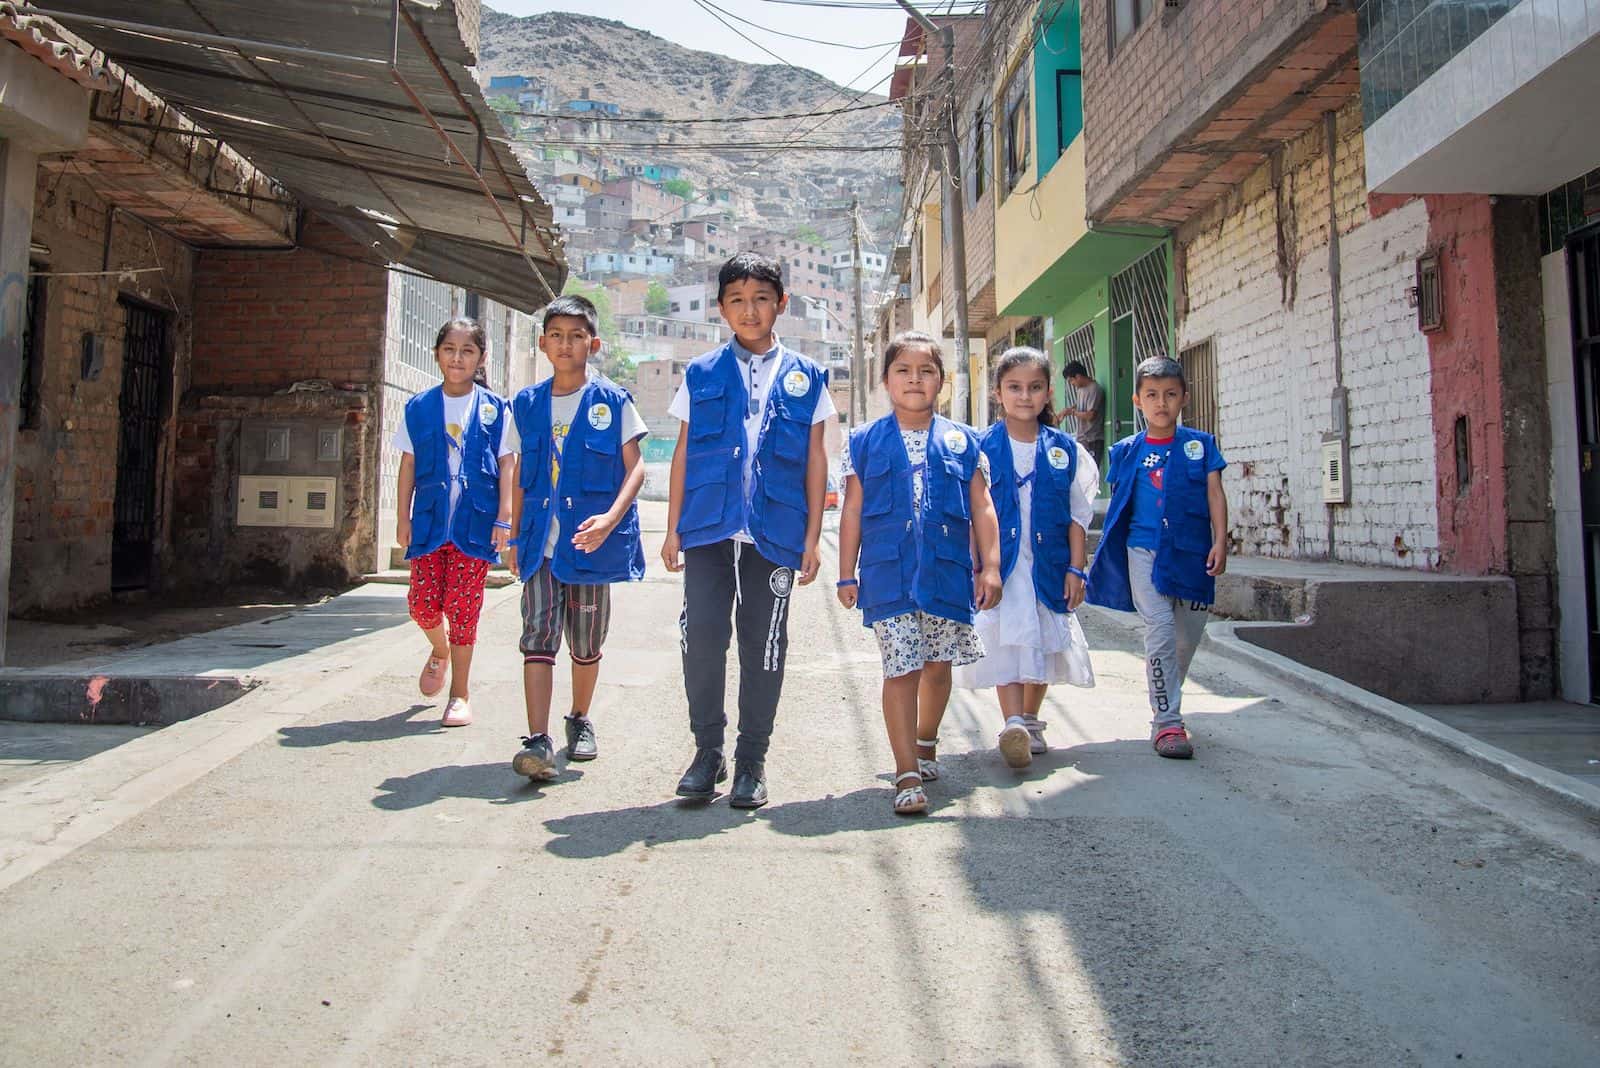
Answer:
[(361, 886)]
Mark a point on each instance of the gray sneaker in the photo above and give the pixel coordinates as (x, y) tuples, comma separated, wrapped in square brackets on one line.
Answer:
[(536, 759), (580, 738), (1036, 745)]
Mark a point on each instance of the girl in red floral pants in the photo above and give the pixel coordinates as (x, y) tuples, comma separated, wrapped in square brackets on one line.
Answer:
[(457, 471)]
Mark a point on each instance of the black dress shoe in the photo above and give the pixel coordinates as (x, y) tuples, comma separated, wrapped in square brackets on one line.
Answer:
[(749, 785), (707, 769)]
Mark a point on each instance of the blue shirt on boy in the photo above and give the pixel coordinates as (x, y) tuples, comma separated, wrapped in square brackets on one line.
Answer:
[(1149, 494)]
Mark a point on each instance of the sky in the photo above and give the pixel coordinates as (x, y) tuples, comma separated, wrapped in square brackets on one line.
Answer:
[(688, 23)]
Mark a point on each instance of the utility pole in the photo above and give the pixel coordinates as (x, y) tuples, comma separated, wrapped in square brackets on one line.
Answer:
[(858, 354), (960, 394)]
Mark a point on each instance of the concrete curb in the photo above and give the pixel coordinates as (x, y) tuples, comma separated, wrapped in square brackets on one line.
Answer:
[(1563, 790)]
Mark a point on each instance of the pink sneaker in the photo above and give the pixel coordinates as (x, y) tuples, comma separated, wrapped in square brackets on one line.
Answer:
[(432, 678), (457, 713)]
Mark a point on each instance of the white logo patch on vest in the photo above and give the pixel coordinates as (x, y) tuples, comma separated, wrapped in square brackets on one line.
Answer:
[(1194, 450), (781, 582), (488, 412), (1058, 457), (955, 441), (796, 384), (600, 416)]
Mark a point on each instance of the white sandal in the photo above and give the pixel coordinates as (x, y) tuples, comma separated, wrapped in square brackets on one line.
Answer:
[(913, 799), (929, 767)]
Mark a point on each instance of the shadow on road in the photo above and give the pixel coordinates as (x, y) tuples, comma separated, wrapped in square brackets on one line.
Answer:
[(482, 782), (399, 725)]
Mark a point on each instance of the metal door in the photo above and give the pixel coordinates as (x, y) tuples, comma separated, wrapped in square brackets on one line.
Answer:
[(1583, 261), (144, 358)]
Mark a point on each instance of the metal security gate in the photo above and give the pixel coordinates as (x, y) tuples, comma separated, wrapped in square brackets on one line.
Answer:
[(1583, 262), (1141, 326), (133, 533)]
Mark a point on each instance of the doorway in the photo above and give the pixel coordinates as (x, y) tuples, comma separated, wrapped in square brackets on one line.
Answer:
[(1124, 361), (144, 362)]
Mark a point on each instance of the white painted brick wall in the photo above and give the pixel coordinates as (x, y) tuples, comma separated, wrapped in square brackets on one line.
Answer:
[(1275, 372)]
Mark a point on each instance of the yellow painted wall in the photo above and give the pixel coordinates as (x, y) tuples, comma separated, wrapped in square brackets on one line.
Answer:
[(1033, 229)]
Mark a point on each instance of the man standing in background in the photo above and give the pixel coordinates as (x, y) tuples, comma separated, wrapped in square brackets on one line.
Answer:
[(1087, 410)]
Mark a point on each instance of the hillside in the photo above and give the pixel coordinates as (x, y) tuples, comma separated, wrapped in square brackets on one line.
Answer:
[(652, 77)]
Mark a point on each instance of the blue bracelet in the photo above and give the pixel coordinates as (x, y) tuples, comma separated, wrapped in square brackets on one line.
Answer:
[(498, 525), (842, 583), (1080, 572)]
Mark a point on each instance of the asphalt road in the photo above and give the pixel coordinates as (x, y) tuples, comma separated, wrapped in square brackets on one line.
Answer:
[(364, 887)]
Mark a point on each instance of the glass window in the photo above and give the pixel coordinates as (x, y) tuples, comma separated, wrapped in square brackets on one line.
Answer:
[(1018, 125), (980, 162), (32, 349)]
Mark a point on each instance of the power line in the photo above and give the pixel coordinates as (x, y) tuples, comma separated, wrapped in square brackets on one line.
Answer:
[(794, 36), (687, 121), (709, 10), (867, 5)]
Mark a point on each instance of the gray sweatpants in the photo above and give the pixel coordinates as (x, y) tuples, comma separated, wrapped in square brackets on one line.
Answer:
[(1172, 631)]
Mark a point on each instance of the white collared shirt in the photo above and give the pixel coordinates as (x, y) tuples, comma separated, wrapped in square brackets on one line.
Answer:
[(760, 370)]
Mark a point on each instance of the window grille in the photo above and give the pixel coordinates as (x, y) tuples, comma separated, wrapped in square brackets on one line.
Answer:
[(1141, 290), (1429, 297), (32, 349), (1200, 372), (1077, 346)]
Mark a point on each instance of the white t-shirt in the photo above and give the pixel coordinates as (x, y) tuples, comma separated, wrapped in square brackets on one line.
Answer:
[(457, 414), (563, 406), (758, 372)]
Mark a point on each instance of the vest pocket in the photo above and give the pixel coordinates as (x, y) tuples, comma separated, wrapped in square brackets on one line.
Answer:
[(955, 491), (877, 487), (879, 570), (599, 462), (705, 494), (613, 554), (790, 435), (708, 410)]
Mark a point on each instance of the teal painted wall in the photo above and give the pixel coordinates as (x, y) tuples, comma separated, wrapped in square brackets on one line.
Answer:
[(1059, 48)]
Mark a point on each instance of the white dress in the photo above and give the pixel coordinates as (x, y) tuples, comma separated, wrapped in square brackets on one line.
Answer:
[(1025, 641)]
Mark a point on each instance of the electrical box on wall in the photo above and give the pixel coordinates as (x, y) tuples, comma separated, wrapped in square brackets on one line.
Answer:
[(311, 502), (1335, 471), (263, 502)]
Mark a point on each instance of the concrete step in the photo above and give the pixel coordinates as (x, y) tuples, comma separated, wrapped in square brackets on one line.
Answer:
[(498, 577)]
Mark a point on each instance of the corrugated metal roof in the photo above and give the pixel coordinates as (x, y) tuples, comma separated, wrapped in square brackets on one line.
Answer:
[(37, 38), (339, 130)]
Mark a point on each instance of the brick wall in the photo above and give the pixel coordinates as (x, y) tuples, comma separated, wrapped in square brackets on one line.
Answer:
[(1170, 72), (68, 446), (1255, 281), (270, 319), (280, 336)]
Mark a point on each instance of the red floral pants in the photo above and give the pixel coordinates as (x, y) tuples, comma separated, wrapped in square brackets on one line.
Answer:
[(448, 584)]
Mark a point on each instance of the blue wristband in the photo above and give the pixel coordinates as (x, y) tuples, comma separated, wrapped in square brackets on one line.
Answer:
[(842, 583), (498, 525), (1080, 572)]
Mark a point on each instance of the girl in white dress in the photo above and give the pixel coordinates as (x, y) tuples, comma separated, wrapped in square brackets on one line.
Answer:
[(1044, 484)]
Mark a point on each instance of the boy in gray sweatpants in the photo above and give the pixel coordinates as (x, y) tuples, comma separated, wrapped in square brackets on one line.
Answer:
[(1165, 542)]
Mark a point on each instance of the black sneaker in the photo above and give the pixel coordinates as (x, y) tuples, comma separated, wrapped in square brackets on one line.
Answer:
[(580, 738), (536, 759)]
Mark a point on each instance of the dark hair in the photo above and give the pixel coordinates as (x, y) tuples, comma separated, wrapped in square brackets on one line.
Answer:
[(1074, 369), (1159, 367), (572, 306), (751, 265), (1023, 356), (913, 339), (471, 326)]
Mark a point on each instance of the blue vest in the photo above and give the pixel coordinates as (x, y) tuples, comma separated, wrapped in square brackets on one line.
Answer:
[(714, 503), (1180, 565), (915, 560), (1051, 516), (592, 472), (472, 527)]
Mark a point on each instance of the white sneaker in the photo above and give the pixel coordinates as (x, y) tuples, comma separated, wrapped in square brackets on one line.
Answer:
[(1016, 743), (457, 713), (1037, 746)]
